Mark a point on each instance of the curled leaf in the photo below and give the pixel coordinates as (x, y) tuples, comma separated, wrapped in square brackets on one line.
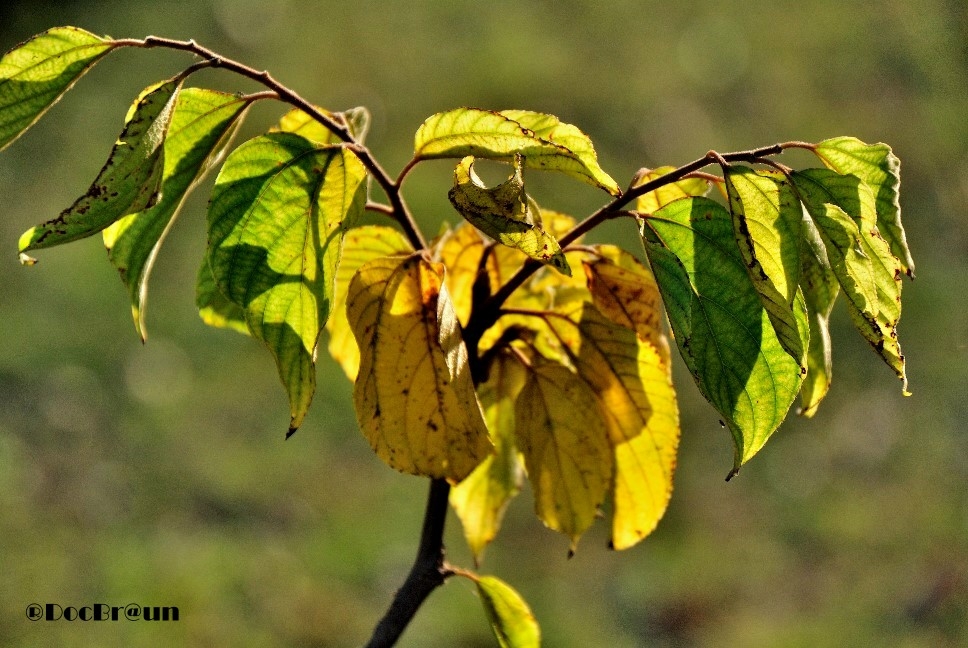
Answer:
[(511, 619)]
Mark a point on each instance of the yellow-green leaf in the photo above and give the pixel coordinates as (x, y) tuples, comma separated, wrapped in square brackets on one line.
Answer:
[(544, 141), (36, 73), (301, 123), (721, 327), (652, 201), (201, 126), (505, 213), (820, 291), (511, 619), (877, 166), (481, 499), (563, 438), (129, 181), (414, 397), (766, 222), (214, 308), (360, 244), (843, 208), (280, 208)]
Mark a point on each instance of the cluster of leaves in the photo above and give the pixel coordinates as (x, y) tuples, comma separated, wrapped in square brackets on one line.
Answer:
[(505, 347)]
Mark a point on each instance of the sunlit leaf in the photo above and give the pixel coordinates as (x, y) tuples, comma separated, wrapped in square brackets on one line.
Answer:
[(654, 200), (301, 123), (414, 397), (280, 208), (505, 213), (360, 244), (843, 208), (511, 619), (499, 136), (481, 499), (820, 291), (766, 223), (36, 73), (721, 327), (461, 250), (201, 125), (214, 308), (563, 438), (876, 165), (129, 181)]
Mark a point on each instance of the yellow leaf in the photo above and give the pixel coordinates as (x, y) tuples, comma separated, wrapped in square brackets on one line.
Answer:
[(562, 436), (481, 499), (461, 250), (360, 245), (414, 398), (652, 201)]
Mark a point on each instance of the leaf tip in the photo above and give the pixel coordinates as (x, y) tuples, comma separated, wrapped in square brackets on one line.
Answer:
[(732, 473), (290, 431), (25, 242)]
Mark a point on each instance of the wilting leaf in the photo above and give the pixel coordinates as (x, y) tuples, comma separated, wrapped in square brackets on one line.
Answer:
[(280, 208), (361, 244), (820, 290), (877, 166), (511, 619), (201, 126), (654, 200), (481, 499), (563, 438), (301, 123), (842, 206), (499, 136), (632, 381), (129, 181), (505, 213), (721, 327), (36, 73), (414, 398), (766, 222), (461, 250)]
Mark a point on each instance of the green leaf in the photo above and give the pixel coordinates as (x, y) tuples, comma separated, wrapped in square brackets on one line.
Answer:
[(414, 398), (201, 126), (820, 291), (722, 330), (361, 244), (129, 181), (36, 73), (481, 499), (564, 440), (876, 165), (843, 208), (214, 308), (505, 213), (767, 225), (652, 201), (511, 619), (279, 210), (545, 142), (301, 123)]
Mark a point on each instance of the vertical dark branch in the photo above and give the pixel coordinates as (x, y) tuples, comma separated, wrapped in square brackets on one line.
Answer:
[(429, 570)]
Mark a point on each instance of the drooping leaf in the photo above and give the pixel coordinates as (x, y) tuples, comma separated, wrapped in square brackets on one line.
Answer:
[(461, 250), (481, 499), (301, 123), (36, 73), (820, 291), (625, 292), (214, 308), (414, 397), (721, 327), (652, 201), (201, 126), (767, 224), (562, 435), (843, 208), (361, 244), (505, 213), (279, 210), (877, 166), (129, 181), (545, 142), (511, 619), (632, 380)]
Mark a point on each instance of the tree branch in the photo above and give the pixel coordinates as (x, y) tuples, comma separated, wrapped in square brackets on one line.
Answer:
[(429, 571)]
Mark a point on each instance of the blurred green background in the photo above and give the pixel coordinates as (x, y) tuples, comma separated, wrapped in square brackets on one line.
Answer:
[(158, 474)]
